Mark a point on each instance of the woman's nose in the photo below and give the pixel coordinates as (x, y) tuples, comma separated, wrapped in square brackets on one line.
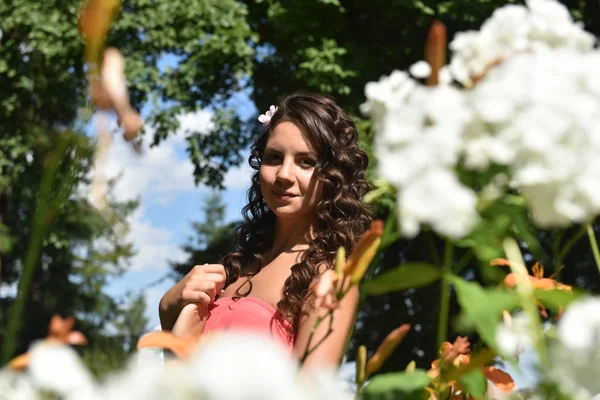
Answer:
[(286, 171)]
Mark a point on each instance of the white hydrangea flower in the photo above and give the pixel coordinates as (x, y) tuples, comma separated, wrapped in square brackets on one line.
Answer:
[(420, 69), (418, 143), (58, 369), (16, 386), (514, 29), (574, 357), (154, 379), (437, 199), (261, 368), (532, 105), (514, 336), (579, 327), (326, 384)]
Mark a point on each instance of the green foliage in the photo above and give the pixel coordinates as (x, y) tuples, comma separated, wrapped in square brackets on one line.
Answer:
[(555, 299), (411, 275), (398, 385), (481, 308), (474, 383)]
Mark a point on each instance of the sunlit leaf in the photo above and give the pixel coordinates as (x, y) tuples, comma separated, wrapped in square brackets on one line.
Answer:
[(482, 308), (411, 275), (398, 385)]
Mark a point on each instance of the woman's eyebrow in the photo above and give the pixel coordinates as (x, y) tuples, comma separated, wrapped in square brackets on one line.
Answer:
[(306, 154)]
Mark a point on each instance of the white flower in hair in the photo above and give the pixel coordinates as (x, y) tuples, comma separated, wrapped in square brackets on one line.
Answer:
[(266, 117)]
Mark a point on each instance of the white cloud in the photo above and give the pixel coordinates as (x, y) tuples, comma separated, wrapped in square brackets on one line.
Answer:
[(160, 172), (238, 178), (154, 245)]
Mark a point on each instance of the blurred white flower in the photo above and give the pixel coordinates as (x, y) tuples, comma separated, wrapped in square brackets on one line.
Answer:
[(261, 367), (58, 369), (418, 144), (575, 355), (515, 29), (536, 111), (16, 386), (437, 199), (326, 384), (513, 336), (579, 327), (138, 380)]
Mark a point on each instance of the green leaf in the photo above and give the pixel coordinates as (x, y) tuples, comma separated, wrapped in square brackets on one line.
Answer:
[(482, 308), (555, 299), (474, 383), (390, 231), (398, 385), (407, 276)]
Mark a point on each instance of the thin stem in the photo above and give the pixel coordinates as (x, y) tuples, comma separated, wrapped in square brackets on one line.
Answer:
[(569, 245), (318, 321), (593, 244), (340, 295), (528, 302), (463, 262), (434, 253), (444, 296)]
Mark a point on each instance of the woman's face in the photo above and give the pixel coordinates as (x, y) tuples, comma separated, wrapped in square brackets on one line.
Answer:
[(287, 179)]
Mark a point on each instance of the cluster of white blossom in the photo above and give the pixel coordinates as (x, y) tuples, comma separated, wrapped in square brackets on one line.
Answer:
[(515, 29), (539, 114), (227, 367), (535, 112), (419, 141)]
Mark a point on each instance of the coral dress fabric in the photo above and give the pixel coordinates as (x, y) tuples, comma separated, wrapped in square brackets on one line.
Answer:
[(249, 314)]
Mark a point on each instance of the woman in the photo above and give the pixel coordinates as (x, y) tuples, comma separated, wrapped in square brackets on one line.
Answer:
[(304, 203)]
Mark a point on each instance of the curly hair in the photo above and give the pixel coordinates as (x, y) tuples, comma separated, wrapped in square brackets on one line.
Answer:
[(341, 217)]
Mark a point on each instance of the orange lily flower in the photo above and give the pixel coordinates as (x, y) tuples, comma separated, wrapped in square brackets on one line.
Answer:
[(386, 348), (360, 259), (458, 354), (536, 280), (330, 285)]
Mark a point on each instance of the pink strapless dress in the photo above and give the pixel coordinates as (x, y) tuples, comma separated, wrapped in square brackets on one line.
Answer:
[(249, 314)]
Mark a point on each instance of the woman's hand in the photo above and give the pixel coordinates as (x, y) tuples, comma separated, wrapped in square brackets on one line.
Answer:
[(191, 320), (200, 286)]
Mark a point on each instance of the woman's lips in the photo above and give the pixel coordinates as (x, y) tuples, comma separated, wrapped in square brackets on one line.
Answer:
[(284, 195)]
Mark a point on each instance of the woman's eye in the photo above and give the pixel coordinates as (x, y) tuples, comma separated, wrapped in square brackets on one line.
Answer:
[(271, 158), (307, 163)]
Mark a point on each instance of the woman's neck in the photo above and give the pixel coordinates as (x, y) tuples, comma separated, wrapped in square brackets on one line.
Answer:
[(291, 235)]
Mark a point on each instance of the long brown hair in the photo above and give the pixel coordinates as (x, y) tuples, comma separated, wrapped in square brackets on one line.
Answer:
[(341, 217)]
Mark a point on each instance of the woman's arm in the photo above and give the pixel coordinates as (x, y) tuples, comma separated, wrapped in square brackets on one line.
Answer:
[(330, 350)]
